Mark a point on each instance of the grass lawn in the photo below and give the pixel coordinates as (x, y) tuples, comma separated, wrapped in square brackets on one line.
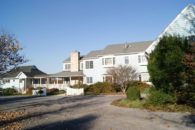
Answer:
[(141, 104)]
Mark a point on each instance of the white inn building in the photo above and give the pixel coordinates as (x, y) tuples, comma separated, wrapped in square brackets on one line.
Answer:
[(92, 68), (94, 65)]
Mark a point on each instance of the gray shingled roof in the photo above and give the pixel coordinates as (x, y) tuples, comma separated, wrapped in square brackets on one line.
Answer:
[(93, 54), (124, 48), (67, 74), (68, 59), (29, 71), (127, 48)]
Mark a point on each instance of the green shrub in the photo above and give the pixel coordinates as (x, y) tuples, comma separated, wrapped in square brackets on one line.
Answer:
[(133, 93), (116, 87), (61, 91), (146, 91), (99, 87), (140, 85), (9, 91), (40, 91), (79, 86), (53, 91), (159, 98)]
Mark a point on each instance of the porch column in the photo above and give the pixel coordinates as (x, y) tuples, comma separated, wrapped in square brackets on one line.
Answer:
[(57, 80), (47, 82), (40, 82), (32, 83), (79, 81), (25, 85), (70, 81)]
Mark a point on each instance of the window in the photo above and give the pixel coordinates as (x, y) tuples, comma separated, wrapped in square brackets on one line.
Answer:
[(102, 61), (89, 64), (141, 59), (144, 59), (140, 78), (21, 80), (108, 61), (7, 81), (67, 66), (89, 80), (114, 60), (108, 79), (126, 60)]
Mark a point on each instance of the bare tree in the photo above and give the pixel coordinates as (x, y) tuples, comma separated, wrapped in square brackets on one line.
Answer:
[(9, 52), (122, 75)]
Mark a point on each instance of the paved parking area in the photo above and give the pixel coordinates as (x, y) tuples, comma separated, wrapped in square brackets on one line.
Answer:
[(90, 113)]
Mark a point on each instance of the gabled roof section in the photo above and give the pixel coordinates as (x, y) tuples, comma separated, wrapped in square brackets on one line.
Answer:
[(29, 71), (183, 25)]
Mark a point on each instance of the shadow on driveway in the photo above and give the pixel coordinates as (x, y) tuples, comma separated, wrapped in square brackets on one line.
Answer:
[(187, 120), (58, 111), (81, 123), (34, 101), (11, 99)]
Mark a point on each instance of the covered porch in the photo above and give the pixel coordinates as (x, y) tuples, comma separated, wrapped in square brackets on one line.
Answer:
[(59, 80)]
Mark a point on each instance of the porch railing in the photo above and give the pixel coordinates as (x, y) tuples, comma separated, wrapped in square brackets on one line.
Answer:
[(49, 86)]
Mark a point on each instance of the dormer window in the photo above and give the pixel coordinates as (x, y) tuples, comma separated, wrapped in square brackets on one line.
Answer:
[(67, 67)]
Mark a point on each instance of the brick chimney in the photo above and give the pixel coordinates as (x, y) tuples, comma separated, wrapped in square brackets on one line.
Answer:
[(74, 59)]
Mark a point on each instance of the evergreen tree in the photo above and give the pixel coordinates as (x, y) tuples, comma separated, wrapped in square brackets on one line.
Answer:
[(165, 64)]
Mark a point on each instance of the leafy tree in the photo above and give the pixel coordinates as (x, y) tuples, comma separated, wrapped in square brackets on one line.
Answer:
[(165, 64), (122, 75), (9, 52)]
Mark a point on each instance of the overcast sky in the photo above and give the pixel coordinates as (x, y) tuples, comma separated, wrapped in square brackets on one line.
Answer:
[(49, 30)]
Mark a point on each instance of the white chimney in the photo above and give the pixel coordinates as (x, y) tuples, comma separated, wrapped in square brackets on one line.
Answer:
[(74, 59)]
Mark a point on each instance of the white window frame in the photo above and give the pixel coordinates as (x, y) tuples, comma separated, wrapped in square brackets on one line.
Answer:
[(108, 61), (139, 59), (114, 60), (89, 64), (126, 60), (67, 67), (89, 80), (142, 59)]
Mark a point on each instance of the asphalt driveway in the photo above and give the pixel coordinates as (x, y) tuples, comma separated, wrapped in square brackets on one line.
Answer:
[(90, 113)]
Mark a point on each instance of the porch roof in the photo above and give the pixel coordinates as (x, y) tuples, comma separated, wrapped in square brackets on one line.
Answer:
[(66, 74)]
